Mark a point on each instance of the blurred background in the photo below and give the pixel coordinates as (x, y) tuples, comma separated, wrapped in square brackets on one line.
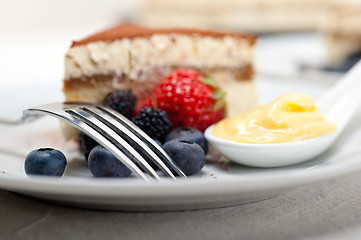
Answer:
[(314, 39)]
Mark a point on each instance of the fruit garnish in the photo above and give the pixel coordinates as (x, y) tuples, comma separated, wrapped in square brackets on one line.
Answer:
[(190, 99), (188, 156), (86, 144), (46, 162), (188, 134), (124, 100), (103, 163), (154, 122)]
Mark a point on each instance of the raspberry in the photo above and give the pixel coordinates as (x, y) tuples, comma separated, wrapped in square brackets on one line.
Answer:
[(190, 99)]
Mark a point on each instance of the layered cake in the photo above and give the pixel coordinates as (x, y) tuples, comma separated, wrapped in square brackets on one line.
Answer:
[(99, 64), (342, 31), (260, 16)]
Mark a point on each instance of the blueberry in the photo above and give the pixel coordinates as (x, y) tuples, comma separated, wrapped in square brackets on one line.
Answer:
[(158, 142), (86, 144), (145, 156), (188, 156), (102, 163), (189, 134), (45, 161)]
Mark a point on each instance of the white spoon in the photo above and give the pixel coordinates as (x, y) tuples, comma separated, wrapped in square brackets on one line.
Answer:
[(338, 105)]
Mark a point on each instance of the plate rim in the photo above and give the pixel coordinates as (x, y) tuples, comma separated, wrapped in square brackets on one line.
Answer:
[(135, 187)]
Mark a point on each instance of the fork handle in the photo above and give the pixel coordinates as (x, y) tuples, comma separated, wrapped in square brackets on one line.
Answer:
[(9, 122), (23, 119)]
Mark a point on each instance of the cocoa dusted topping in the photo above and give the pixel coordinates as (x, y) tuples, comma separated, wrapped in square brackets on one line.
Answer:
[(132, 31)]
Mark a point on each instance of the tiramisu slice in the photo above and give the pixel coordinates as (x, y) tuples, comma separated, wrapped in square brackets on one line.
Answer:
[(260, 16), (342, 31), (98, 65)]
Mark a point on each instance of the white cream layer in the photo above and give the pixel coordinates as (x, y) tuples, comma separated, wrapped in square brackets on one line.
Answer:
[(157, 50)]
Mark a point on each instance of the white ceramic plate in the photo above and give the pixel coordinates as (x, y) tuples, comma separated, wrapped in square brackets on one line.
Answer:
[(217, 185)]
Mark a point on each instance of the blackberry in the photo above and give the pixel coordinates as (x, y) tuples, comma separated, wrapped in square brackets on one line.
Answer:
[(154, 122), (122, 101), (86, 144)]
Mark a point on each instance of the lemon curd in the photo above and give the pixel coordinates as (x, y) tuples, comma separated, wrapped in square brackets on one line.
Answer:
[(292, 117)]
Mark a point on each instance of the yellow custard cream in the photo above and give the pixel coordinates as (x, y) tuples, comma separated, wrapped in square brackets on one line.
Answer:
[(292, 117)]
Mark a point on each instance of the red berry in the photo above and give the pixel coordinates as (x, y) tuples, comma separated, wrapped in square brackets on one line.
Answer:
[(190, 99)]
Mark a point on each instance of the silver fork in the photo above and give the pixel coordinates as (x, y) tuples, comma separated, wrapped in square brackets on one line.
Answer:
[(110, 129)]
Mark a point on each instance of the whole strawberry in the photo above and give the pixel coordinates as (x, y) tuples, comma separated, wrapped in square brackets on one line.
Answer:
[(190, 99)]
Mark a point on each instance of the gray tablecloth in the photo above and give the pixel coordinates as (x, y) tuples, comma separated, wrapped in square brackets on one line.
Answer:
[(329, 210)]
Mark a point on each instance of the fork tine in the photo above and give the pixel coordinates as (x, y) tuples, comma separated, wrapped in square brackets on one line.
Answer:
[(124, 132), (135, 130), (58, 110), (115, 140), (85, 117)]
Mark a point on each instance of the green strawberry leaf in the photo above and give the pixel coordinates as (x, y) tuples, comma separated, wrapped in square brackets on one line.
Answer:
[(220, 103), (209, 81), (218, 94)]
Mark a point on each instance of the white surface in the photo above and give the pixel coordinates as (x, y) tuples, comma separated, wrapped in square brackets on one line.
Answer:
[(36, 34), (217, 185)]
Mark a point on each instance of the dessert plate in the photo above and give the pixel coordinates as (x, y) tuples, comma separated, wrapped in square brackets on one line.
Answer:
[(218, 185)]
